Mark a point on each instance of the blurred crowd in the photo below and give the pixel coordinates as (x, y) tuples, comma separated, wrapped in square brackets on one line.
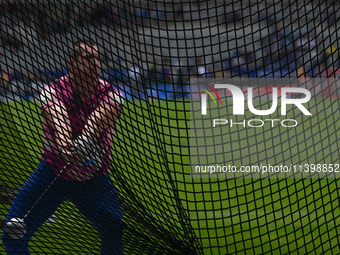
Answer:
[(282, 53), (42, 20)]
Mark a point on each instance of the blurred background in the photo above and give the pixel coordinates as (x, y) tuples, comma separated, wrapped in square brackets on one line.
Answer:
[(163, 44), (150, 50)]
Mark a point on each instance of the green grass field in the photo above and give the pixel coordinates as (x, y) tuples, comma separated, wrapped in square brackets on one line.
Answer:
[(243, 216)]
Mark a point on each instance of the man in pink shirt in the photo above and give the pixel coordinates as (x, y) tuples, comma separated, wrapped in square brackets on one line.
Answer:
[(79, 111)]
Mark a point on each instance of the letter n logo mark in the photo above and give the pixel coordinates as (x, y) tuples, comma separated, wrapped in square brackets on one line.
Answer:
[(204, 98)]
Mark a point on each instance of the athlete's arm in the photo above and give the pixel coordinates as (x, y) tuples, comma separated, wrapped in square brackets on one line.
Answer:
[(57, 117), (100, 119), (104, 116)]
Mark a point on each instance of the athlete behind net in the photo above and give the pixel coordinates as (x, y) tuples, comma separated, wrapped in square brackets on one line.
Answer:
[(79, 111)]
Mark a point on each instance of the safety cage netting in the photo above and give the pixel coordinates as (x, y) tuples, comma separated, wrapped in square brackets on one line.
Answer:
[(150, 51)]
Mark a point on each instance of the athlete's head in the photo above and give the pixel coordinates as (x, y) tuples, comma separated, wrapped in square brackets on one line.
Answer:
[(84, 60)]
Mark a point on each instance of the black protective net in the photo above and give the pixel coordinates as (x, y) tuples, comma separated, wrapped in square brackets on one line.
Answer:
[(149, 51)]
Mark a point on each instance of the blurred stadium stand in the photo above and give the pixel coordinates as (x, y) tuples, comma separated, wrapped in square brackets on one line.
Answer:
[(233, 39)]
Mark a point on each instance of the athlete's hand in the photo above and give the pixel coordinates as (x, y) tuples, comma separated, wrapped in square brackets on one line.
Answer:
[(88, 150), (69, 154)]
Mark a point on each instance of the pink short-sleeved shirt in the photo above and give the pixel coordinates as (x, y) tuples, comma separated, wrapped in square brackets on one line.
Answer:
[(60, 91)]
